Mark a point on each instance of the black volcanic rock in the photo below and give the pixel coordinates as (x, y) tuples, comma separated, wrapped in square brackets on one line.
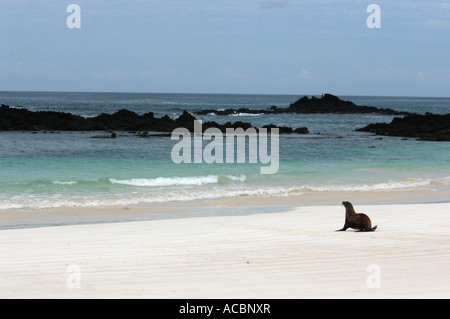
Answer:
[(185, 118), (24, 120), (428, 127), (301, 130), (281, 129), (332, 104), (328, 103), (19, 119)]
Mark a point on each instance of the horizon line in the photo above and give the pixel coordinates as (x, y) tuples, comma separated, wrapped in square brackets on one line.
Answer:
[(197, 93)]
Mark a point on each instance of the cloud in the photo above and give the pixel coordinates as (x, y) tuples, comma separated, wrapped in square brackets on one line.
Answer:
[(420, 75), (304, 75)]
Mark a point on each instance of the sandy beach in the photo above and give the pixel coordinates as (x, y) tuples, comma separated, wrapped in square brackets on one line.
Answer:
[(196, 151), (286, 254)]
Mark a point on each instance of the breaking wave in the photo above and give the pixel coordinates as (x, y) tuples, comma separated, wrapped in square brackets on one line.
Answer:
[(172, 189)]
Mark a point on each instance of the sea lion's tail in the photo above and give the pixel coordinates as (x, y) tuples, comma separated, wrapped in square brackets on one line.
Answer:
[(374, 228)]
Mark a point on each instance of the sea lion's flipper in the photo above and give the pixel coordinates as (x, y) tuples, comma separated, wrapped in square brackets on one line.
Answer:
[(368, 230), (343, 228)]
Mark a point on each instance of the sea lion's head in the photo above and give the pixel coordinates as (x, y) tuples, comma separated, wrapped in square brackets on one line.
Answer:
[(347, 205)]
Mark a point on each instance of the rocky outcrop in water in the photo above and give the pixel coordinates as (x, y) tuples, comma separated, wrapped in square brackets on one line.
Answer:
[(428, 127), (20, 119), (328, 103)]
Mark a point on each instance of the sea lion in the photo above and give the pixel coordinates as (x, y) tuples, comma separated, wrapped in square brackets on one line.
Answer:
[(354, 220)]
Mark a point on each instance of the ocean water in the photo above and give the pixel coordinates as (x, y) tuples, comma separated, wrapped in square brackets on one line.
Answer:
[(71, 169)]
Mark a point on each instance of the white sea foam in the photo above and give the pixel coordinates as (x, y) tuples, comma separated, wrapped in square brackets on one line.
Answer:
[(64, 183), (238, 178), (168, 181), (137, 198), (406, 184), (205, 187), (177, 181), (246, 114)]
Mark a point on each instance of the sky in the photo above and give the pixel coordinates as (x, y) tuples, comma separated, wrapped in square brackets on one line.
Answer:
[(227, 46)]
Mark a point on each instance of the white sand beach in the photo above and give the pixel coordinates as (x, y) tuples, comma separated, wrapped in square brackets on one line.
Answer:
[(295, 254)]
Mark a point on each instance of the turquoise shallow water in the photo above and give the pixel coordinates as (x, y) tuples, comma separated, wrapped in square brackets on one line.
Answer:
[(63, 169)]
